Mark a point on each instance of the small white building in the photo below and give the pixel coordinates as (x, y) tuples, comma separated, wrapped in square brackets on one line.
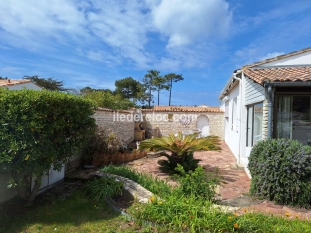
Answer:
[(268, 99), (19, 84), (52, 176)]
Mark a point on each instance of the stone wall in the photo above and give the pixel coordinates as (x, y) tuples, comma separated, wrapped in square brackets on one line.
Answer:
[(164, 123), (119, 122), (265, 120)]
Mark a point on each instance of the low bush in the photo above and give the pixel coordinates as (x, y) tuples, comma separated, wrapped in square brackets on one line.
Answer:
[(155, 185), (181, 149), (281, 172), (103, 187), (186, 160), (197, 183), (101, 142)]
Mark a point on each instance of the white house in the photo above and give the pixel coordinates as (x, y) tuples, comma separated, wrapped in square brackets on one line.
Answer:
[(52, 176), (19, 84), (270, 98)]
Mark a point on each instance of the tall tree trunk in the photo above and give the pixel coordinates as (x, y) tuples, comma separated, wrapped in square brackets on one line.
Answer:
[(169, 102), (34, 191), (158, 96), (149, 99)]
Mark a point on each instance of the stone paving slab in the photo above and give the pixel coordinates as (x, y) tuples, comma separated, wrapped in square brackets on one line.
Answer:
[(237, 182)]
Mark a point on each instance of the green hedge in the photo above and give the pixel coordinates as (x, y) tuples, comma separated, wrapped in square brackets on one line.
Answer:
[(38, 128), (281, 172)]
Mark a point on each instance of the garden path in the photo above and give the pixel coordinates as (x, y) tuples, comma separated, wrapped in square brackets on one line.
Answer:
[(236, 187)]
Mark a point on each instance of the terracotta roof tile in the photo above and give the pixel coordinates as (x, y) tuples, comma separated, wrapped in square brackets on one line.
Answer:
[(9, 82), (279, 74), (111, 110), (183, 109)]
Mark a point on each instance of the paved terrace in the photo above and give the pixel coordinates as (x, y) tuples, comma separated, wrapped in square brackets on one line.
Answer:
[(236, 184)]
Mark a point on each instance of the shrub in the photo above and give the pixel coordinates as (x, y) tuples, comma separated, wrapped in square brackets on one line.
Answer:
[(186, 160), (281, 172), (197, 183), (181, 150), (41, 128), (101, 142), (155, 185), (103, 187)]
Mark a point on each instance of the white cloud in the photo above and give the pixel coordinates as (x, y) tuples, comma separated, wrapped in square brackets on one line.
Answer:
[(188, 21), (271, 55), (116, 32)]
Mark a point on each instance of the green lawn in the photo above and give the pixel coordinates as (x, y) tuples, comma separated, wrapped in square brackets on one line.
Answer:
[(75, 214)]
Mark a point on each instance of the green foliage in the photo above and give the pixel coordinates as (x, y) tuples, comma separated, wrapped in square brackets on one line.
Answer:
[(181, 149), (197, 183), (128, 88), (155, 185), (170, 78), (103, 187), (179, 145), (107, 100), (40, 128), (186, 160), (148, 84), (49, 84), (159, 84), (281, 171), (102, 141)]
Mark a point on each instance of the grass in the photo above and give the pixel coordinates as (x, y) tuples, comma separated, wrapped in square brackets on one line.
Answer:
[(154, 185), (190, 212), (170, 211), (75, 214)]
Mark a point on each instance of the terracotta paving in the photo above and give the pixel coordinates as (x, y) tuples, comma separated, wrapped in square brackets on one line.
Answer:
[(236, 181)]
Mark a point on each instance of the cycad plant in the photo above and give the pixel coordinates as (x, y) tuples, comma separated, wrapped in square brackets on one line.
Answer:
[(181, 150)]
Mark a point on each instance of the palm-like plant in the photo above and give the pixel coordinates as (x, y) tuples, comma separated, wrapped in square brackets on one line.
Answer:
[(181, 149)]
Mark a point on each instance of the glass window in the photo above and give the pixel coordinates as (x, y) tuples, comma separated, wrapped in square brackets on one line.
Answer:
[(293, 117), (234, 112), (254, 124)]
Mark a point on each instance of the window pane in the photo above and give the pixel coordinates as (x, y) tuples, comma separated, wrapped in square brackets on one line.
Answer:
[(249, 125), (301, 124), (284, 117), (257, 123)]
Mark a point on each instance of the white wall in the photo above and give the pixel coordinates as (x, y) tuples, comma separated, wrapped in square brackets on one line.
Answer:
[(301, 59), (50, 178), (29, 85), (232, 134)]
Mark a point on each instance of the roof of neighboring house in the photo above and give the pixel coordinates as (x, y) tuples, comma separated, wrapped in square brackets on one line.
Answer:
[(278, 57), (9, 82), (182, 109), (279, 74), (111, 110)]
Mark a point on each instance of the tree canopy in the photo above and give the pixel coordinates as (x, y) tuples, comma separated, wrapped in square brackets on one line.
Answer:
[(148, 84), (108, 100), (160, 83), (172, 77), (128, 88), (49, 84)]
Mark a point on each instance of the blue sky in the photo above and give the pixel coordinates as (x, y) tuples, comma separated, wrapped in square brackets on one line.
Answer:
[(95, 42)]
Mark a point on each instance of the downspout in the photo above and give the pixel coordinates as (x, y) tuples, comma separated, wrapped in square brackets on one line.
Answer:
[(270, 108), (235, 74)]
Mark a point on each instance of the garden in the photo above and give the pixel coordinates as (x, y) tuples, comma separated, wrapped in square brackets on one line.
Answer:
[(49, 133)]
